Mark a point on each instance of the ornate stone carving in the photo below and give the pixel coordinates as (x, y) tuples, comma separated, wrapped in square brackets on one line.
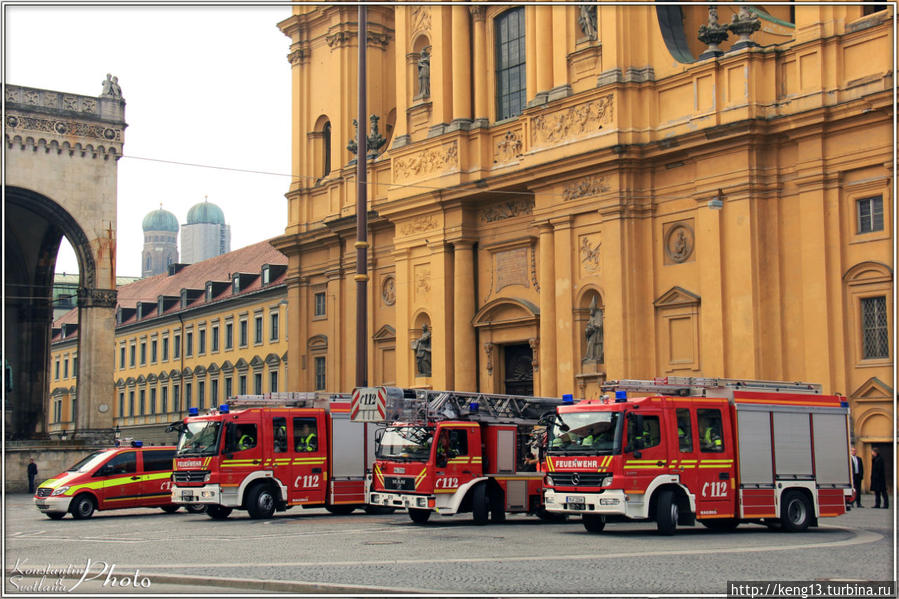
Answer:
[(589, 254), (593, 333), (535, 346), (488, 350), (420, 17), (712, 34), (507, 209), (339, 38), (587, 20), (298, 56), (388, 291), (744, 24), (335, 39), (422, 282), (431, 161), (584, 188), (418, 224), (97, 298), (477, 12), (60, 127), (571, 122), (679, 243), (508, 147)]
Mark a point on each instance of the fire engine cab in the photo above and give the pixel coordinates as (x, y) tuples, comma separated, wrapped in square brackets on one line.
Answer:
[(271, 452), (719, 451), (451, 451)]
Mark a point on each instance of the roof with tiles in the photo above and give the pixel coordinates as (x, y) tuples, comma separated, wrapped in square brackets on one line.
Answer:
[(220, 269)]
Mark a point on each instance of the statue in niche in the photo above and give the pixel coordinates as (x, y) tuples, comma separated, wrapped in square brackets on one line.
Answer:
[(422, 347), (424, 74), (593, 332), (587, 20)]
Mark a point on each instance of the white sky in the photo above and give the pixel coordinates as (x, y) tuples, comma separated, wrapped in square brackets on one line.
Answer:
[(205, 85)]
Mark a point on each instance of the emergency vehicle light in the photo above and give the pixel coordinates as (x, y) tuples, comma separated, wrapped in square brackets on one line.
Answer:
[(620, 396), (568, 398), (137, 444), (844, 404), (474, 406), (223, 409), (193, 411)]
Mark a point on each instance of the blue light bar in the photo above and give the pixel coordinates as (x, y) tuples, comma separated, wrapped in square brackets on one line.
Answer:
[(620, 396), (844, 404), (568, 398), (193, 411), (224, 409), (474, 406), (137, 444)]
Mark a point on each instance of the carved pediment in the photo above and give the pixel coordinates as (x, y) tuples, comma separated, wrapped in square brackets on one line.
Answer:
[(676, 296), (152, 378), (506, 311), (120, 383), (385, 333), (317, 343), (868, 272), (141, 380), (272, 359), (200, 370), (873, 389), (256, 362), (213, 368), (241, 364), (187, 372), (227, 366)]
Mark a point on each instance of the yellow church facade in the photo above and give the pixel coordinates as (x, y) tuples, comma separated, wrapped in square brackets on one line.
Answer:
[(568, 194)]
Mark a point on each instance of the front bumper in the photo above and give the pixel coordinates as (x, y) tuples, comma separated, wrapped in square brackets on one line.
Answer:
[(609, 502), (401, 500), (207, 495), (53, 505)]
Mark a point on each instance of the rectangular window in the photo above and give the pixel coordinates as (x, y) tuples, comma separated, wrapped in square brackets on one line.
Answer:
[(320, 304), (143, 402), (305, 437), (121, 357), (75, 366), (229, 387), (188, 388), (243, 333), (510, 63), (153, 347), (242, 385), (188, 344), (153, 400), (201, 395), (649, 436), (143, 353), (711, 437), (133, 357), (875, 336), (176, 398), (65, 368), (215, 338), (257, 383), (213, 393), (201, 341), (57, 370), (165, 399), (131, 403), (279, 435), (158, 460), (176, 347), (273, 382), (273, 335), (229, 335), (870, 214), (121, 404), (684, 431), (165, 349), (258, 329), (320, 373)]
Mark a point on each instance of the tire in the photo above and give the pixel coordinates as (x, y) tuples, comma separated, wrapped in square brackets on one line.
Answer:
[(56, 515), (549, 516), (340, 510), (261, 502), (419, 516), (594, 522), (721, 524), (218, 512), (480, 504), (795, 512), (169, 509), (497, 507), (667, 513), (195, 508), (377, 510), (82, 507)]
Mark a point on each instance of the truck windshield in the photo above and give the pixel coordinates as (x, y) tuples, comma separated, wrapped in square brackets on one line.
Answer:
[(199, 438), (89, 462), (585, 433), (406, 443)]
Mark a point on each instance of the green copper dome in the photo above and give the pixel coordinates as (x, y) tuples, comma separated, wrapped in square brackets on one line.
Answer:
[(160, 220), (206, 213)]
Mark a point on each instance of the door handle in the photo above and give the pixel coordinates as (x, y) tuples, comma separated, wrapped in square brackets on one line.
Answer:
[(256, 462), (466, 472), (316, 471), (135, 478), (660, 463), (723, 475)]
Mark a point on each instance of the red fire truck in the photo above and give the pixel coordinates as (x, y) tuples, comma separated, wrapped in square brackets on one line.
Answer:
[(268, 453), (450, 452), (678, 450)]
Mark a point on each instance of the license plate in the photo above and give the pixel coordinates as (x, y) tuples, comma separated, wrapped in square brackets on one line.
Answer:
[(575, 499), (187, 497)]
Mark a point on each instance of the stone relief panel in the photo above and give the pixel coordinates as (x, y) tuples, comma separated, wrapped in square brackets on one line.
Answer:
[(679, 241), (588, 250), (583, 119), (420, 19), (507, 147), (430, 162), (509, 209), (421, 278), (419, 224), (388, 290), (585, 188)]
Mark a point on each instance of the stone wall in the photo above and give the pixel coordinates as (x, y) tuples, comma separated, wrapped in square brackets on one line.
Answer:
[(51, 459)]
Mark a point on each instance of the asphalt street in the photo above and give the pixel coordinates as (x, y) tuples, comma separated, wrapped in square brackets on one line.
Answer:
[(311, 551)]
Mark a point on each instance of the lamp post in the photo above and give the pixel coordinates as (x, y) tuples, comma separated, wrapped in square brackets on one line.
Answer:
[(362, 215)]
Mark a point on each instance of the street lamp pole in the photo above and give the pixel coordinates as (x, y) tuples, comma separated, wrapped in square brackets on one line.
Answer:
[(362, 215)]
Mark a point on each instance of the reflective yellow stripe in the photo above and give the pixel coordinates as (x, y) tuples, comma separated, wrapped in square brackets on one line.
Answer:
[(420, 477)]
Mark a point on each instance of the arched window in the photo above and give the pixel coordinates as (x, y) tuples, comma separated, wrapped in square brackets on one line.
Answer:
[(148, 262), (326, 148), (510, 64)]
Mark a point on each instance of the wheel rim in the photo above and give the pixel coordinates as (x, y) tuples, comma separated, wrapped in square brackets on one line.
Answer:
[(265, 502), (796, 512), (85, 508), (673, 513)]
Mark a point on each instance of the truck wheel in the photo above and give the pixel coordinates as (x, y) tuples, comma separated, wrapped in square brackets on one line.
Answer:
[(497, 507), (548, 516), (667, 512), (82, 507), (419, 516), (795, 512), (378, 510), (480, 504), (169, 509), (195, 508), (261, 502), (340, 510), (218, 512), (56, 515), (722, 524), (594, 522)]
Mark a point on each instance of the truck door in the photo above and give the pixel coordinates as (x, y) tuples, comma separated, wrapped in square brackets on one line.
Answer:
[(457, 456), (156, 472), (121, 482), (243, 440), (309, 453), (715, 476), (685, 453), (648, 455)]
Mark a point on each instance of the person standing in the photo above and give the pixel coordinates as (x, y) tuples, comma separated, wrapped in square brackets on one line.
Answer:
[(879, 480), (858, 471), (32, 472)]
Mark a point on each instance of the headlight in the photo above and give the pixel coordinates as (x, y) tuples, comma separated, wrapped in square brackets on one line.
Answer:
[(207, 477), (59, 490), (549, 481)]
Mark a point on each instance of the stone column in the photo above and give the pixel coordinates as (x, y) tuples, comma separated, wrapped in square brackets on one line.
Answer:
[(461, 68), (560, 87), (405, 377), (547, 279), (96, 363), (479, 33), (442, 317), (712, 315), (405, 86), (544, 53), (464, 339), (562, 234), (530, 46)]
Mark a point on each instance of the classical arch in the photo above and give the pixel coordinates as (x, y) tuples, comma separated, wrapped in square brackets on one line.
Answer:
[(60, 182)]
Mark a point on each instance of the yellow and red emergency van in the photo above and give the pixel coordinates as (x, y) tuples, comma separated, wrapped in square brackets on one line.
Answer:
[(109, 479)]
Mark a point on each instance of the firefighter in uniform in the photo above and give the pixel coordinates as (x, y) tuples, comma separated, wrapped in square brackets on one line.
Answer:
[(246, 442), (306, 442)]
